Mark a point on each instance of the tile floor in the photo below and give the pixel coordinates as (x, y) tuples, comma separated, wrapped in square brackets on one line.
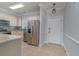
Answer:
[(46, 50)]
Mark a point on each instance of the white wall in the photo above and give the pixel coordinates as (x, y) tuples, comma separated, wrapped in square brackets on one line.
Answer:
[(71, 28), (43, 25)]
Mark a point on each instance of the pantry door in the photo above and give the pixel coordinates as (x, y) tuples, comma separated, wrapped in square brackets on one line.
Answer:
[(55, 30)]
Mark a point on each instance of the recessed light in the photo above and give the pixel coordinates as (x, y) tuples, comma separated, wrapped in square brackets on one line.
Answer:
[(16, 6)]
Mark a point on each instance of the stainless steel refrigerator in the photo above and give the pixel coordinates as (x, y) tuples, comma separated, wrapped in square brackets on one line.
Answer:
[(32, 37)]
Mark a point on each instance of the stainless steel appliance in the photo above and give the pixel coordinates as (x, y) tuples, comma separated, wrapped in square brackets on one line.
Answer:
[(32, 34)]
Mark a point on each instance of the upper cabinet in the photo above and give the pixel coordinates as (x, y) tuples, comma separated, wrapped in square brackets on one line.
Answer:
[(14, 20)]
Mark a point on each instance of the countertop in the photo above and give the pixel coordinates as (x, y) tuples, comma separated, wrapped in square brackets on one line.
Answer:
[(6, 37)]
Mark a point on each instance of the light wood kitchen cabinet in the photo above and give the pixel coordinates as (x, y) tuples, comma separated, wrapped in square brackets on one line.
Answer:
[(14, 20)]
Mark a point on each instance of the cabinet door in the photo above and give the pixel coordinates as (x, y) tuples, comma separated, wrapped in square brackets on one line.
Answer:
[(13, 22), (12, 19)]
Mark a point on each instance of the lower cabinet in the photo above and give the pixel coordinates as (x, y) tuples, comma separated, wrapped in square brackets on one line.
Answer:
[(18, 33)]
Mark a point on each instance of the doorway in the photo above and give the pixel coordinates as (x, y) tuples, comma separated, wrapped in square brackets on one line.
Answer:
[(55, 30)]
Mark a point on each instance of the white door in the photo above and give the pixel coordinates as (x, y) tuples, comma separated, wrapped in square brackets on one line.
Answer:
[(55, 30)]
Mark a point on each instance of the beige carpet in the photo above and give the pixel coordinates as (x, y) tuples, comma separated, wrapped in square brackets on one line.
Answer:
[(46, 50)]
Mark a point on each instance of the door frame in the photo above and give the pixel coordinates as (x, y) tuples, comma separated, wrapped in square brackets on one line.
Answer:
[(61, 32)]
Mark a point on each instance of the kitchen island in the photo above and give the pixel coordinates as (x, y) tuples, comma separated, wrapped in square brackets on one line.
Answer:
[(10, 45)]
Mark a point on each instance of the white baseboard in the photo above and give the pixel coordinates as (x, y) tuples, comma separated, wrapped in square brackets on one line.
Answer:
[(51, 42), (67, 54), (60, 43), (42, 44), (71, 38)]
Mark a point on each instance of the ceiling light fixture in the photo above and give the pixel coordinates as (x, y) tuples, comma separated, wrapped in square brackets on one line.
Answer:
[(16, 6), (54, 8)]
